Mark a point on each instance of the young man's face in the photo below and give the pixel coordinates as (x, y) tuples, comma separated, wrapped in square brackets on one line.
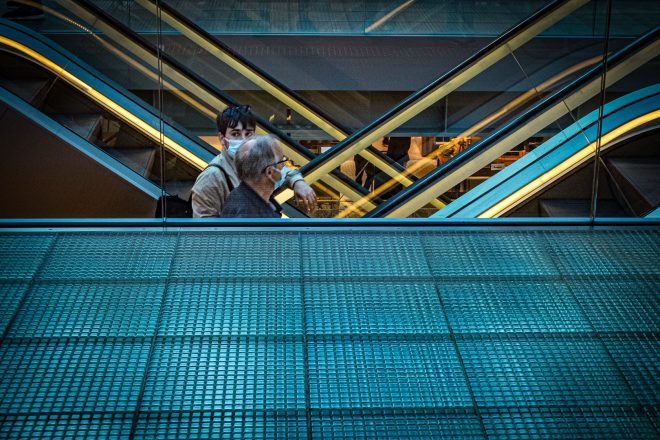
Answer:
[(238, 133)]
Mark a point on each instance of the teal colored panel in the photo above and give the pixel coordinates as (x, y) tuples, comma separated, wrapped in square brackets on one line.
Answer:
[(84, 376), (639, 360), (87, 309), (541, 371), (396, 424), (364, 255), (373, 308), (243, 307), (11, 294), (237, 255), (606, 252), (21, 254), (100, 426), (620, 305), (108, 256), (478, 254), (567, 423), (222, 425), (373, 374), (223, 374), (512, 307)]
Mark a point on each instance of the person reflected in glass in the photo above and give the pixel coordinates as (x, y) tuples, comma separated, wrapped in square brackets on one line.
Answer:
[(213, 185), (259, 164)]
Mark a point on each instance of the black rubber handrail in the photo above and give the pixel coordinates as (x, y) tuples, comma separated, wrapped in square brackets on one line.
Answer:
[(479, 147), (210, 88), (417, 96)]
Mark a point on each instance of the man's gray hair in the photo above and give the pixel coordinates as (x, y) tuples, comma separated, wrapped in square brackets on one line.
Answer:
[(250, 164)]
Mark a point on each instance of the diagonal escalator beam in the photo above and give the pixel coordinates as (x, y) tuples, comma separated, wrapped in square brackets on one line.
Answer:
[(521, 128), (441, 87)]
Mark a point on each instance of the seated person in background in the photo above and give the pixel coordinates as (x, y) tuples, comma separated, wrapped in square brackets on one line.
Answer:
[(235, 124), (259, 162)]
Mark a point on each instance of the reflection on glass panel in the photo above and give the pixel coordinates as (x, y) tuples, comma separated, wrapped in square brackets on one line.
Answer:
[(628, 168), (451, 129)]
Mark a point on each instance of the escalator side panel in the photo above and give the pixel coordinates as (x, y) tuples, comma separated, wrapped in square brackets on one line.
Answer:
[(45, 175)]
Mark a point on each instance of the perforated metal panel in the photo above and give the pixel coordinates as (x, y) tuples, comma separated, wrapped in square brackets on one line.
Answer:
[(363, 308), (543, 371), (71, 376), (232, 308), (21, 254), (226, 374), (512, 307), (89, 309), (364, 255), (11, 294), (324, 334), (66, 426), (474, 254)]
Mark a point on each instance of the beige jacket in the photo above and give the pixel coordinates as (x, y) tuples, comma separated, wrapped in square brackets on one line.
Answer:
[(211, 189)]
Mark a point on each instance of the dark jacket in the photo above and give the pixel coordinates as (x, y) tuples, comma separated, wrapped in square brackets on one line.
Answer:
[(243, 202)]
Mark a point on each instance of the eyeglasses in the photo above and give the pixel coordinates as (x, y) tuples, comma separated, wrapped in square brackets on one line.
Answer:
[(283, 161), (232, 112)]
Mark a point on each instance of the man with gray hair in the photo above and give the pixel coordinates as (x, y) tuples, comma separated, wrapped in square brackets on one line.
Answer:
[(259, 162)]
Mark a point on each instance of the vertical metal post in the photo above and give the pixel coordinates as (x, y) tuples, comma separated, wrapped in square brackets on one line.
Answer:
[(603, 84)]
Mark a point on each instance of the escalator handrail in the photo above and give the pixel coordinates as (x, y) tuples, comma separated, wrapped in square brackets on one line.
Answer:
[(482, 145), (273, 81), (445, 78), (216, 42), (632, 104), (203, 83), (100, 82), (215, 91)]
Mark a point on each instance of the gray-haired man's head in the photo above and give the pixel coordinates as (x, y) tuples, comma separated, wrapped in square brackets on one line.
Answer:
[(257, 158)]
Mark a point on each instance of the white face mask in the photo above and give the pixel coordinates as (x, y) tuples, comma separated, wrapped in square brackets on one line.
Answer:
[(232, 148)]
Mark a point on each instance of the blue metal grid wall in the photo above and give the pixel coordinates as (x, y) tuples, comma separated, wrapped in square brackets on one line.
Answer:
[(318, 334)]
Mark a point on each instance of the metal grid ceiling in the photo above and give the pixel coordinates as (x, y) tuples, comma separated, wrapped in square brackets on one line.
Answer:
[(320, 334)]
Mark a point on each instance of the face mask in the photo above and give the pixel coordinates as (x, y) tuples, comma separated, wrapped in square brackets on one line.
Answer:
[(233, 147), (277, 183)]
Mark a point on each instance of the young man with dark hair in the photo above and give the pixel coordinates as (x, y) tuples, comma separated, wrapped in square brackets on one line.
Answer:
[(213, 185)]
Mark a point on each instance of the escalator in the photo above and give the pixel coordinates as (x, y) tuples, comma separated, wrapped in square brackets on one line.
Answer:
[(144, 59), (551, 108), (185, 154), (51, 168), (63, 90), (542, 19), (440, 88), (103, 113), (538, 184)]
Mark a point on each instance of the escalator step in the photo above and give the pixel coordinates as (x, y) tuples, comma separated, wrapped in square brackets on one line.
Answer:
[(639, 179), (139, 160), (86, 126), (30, 90)]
